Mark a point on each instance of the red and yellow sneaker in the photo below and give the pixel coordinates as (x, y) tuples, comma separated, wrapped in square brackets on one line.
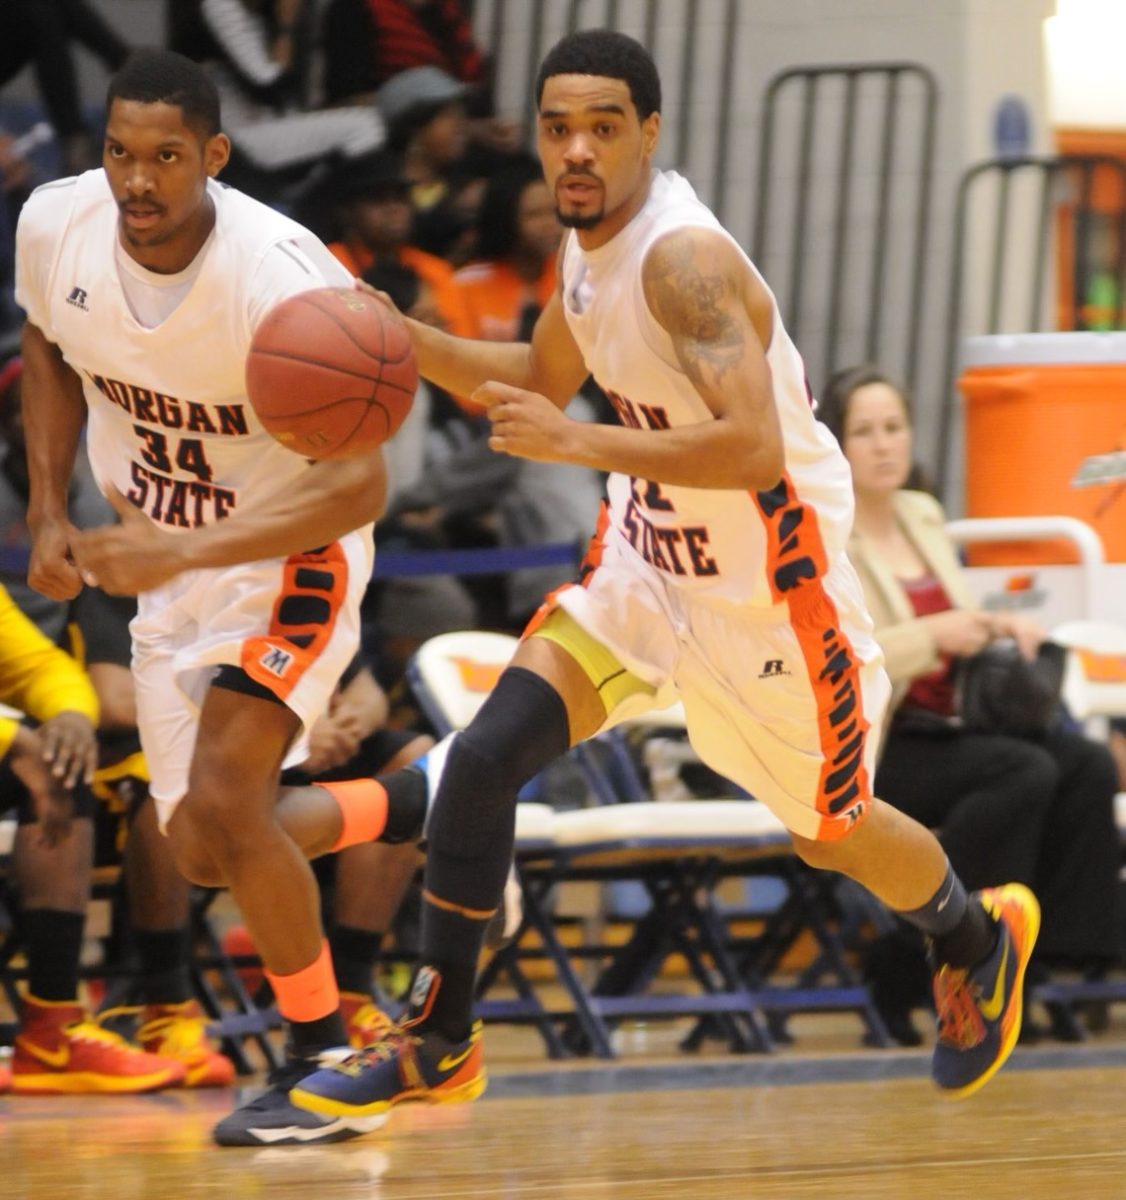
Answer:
[(60, 1049), (364, 1020), (5, 1079), (179, 1031)]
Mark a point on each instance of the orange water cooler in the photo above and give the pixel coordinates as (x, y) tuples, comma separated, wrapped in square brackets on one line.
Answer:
[(1045, 422)]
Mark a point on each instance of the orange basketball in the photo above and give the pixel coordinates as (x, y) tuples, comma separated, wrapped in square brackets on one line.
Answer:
[(331, 373)]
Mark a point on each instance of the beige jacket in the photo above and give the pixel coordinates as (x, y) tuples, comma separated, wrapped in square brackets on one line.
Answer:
[(907, 645)]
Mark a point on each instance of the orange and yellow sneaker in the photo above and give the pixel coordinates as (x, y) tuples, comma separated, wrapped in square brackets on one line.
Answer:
[(979, 1009), (60, 1050), (364, 1020), (179, 1031)]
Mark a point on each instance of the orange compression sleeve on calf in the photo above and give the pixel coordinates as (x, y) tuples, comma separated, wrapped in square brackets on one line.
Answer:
[(363, 810), (308, 994)]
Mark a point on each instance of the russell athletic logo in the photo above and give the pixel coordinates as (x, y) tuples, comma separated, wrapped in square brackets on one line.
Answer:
[(772, 668), (77, 297)]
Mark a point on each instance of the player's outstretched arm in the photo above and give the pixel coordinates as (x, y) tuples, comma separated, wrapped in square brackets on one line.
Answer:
[(551, 364), (54, 410), (327, 501), (718, 316)]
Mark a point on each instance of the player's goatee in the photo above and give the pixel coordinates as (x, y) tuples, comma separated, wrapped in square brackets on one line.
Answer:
[(579, 220)]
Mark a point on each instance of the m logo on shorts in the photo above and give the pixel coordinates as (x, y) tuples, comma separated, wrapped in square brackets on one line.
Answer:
[(773, 667), (276, 661)]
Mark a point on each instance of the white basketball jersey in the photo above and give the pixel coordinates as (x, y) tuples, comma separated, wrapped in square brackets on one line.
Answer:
[(170, 424), (742, 546)]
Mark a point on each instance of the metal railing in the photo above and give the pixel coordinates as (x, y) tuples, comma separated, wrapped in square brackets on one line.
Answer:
[(872, 102)]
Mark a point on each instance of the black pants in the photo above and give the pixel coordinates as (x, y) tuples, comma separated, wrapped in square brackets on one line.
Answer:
[(1008, 810), (40, 32)]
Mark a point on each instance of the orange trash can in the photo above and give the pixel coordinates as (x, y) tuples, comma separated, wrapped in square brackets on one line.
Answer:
[(1045, 434)]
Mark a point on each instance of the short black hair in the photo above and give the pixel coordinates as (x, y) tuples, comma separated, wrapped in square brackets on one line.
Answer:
[(165, 77), (608, 53)]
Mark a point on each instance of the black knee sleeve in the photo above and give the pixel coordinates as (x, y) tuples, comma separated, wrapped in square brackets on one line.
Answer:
[(520, 728)]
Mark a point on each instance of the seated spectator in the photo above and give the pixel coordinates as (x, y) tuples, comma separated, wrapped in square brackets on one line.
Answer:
[(250, 50), (45, 775), (369, 41), (41, 33), (513, 275), (172, 1025), (427, 124), (1005, 808), (371, 225)]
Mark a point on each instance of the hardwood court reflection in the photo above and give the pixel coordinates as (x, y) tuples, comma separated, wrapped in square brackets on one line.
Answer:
[(1030, 1134)]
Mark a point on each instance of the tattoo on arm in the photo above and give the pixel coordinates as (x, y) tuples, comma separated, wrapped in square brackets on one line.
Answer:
[(692, 296)]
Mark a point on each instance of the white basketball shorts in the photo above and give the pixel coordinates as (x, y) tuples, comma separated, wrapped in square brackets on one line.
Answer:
[(786, 701), (293, 625)]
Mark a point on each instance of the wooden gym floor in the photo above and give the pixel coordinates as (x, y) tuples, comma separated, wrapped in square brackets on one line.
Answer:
[(820, 1119)]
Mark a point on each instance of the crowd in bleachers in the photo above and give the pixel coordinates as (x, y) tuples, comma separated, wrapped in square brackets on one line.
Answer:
[(373, 122)]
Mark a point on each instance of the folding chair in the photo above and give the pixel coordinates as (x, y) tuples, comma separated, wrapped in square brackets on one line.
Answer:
[(452, 674), (1094, 682)]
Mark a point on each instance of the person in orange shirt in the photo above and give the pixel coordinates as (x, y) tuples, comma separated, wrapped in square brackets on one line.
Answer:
[(372, 217), (518, 240)]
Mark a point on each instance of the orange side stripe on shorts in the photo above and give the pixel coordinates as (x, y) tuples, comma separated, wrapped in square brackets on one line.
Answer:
[(795, 553), (796, 565), (844, 791), (314, 587)]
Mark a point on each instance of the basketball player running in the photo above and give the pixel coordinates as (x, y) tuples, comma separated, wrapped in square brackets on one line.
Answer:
[(143, 283), (718, 577)]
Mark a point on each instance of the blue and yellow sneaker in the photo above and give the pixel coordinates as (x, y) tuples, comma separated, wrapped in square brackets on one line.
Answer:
[(979, 1010), (409, 1063), (269, 1119)]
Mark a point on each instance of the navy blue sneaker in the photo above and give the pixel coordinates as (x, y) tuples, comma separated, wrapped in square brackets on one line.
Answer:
[(979, 1010), (271, 1120), (407, 1064)]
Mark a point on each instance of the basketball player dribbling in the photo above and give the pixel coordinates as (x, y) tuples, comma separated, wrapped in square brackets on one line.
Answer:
[(143, 283), (718, 577)]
